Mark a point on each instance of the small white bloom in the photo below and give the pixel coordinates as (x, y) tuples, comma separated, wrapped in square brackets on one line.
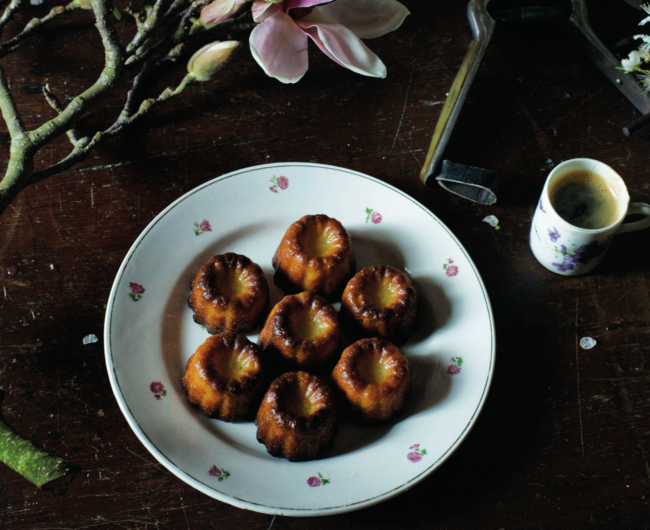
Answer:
[(645, 39), (646, 8), (587, 343), (633, 60)]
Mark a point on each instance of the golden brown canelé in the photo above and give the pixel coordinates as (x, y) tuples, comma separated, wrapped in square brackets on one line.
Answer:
[(297, 419), (373, 379), (224, 377), (315, 254), (381, 301), (301, 333), (229, 293)]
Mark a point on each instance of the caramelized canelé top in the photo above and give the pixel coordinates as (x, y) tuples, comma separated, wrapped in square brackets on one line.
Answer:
[(229, 293), (224, 376), (302, 332), (382, 301), (297, 418), (373, 376), (315, 254)]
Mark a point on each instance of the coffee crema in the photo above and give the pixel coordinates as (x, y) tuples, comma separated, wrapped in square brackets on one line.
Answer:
[(584, 199)]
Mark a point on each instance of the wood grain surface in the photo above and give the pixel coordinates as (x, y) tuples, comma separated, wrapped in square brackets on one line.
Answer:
[(564, 438)]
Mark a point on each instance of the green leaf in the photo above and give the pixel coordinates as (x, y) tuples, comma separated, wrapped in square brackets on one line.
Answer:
[(497, 227), (324, 481), (117, 14), (319, 475), (164, 392), (424, 452), (459, 361), (220, 479)]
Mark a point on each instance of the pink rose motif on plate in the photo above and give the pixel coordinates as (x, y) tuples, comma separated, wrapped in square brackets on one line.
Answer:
[(416, 453), (279, 182), (221, 474), (451, 270), (136, 291), (315, 482), (158, 389), (202, 227), (373, 216), (454, 367)]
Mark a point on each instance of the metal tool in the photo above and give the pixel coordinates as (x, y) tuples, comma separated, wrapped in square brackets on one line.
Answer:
[(483, 24)]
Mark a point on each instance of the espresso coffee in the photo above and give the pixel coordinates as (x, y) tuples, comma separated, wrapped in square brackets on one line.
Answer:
[(584, 199)]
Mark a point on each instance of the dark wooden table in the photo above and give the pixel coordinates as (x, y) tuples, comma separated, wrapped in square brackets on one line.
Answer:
[(564, 438)]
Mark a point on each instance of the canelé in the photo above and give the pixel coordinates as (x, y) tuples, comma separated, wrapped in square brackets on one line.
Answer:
[(315, 254), (381, 301), (301, 333), (229, 293), (224, 377), (297, 419), (373, 380)]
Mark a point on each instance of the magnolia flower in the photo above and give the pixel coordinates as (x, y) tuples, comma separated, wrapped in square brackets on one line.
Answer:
[(211, 58), (220, 11), (279, 42)]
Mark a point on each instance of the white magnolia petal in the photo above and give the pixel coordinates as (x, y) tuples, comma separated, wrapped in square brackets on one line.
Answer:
[(262, 10), (344, 47), (367, 19), (633, 60), (644, 21), (280, 48)]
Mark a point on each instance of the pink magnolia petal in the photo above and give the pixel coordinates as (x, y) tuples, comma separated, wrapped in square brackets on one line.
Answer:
[(280, 48), (344, 47), (367, 19), (293, 4), (220, 10), (262, 10)]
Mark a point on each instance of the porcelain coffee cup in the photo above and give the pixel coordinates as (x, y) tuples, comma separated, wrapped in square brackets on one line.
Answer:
[(570, 250)]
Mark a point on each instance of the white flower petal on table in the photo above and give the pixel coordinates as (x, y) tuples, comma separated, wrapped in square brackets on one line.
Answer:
[(280, 48), (367, 19), (343, 46)]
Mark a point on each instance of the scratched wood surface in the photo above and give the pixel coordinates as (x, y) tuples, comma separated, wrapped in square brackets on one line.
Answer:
[(564, 439)]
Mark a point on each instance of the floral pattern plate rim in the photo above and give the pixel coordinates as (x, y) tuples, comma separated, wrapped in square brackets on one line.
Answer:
[(149, 342)]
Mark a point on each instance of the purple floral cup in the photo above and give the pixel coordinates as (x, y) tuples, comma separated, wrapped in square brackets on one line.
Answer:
[(560, 245)]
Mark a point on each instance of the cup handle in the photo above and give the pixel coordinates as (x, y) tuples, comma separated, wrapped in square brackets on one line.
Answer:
[(637, 208)]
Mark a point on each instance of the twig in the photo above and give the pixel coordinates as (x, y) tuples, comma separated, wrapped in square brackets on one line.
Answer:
[(108, 79), (36, 465), (9, 13), (34, 24), (9, 109), (56, 105), (146, 28), (85, 145)]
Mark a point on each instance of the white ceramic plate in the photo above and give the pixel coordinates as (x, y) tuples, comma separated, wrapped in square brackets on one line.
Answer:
[(150, 334)]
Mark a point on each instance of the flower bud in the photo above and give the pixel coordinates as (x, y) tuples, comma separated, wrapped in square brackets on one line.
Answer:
[(220, 11), (211, 58)]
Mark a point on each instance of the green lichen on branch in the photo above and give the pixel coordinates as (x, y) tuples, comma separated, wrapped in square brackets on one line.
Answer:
[(36, 465)]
